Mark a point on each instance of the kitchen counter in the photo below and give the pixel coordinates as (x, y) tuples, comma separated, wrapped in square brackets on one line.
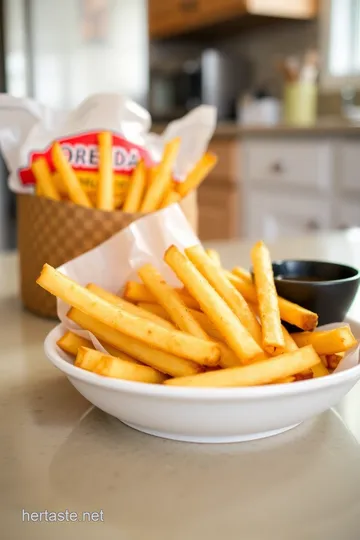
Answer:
[(325, 127), (57, 453), (231, 129)]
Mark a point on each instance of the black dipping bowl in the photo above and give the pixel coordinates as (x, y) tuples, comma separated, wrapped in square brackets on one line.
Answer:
[(326, 288)]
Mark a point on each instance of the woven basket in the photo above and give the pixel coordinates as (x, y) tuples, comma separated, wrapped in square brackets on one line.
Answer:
[(55, 232)]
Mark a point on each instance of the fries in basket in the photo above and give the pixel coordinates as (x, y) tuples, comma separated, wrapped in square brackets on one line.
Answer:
[(146, 189), (220, 329)]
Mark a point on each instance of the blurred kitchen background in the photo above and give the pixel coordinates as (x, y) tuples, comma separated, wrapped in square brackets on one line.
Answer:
[(284, 75)]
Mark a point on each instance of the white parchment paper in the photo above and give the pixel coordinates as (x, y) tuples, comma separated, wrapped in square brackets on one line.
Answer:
[(113, 263)]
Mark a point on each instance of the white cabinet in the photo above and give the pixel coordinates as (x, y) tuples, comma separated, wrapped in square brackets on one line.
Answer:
[(348, 179), (284, 162), (346, 213), (271, 215)]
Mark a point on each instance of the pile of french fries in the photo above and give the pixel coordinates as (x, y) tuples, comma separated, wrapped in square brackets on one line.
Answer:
[(220, 329), (148, 188)]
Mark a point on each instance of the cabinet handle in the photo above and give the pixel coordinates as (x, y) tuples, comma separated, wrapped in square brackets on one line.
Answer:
[(189, 5), (312, 225), (277, 168)]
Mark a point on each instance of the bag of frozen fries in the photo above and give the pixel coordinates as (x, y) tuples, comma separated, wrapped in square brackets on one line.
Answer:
[(81, 176)]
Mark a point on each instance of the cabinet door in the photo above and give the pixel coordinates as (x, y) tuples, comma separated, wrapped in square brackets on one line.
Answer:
[(220, 10), (349, 151), (346, 214), (270, 216), (218, 212), (171, 17)]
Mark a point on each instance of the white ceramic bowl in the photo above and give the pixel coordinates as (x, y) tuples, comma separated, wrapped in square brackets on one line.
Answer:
[(205, 415)]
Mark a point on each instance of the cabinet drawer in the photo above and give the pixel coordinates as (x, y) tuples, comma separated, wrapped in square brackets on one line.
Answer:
[(218, 213), (349, 165), (346, 213), (295, 162), (270, 216), (227, 152)]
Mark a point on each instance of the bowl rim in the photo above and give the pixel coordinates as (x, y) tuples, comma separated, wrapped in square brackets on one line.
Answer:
[(355, 277), (190, 393)]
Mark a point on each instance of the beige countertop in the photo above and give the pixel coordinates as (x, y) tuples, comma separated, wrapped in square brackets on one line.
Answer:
[(58, 454), (331, 127), (231, 129)]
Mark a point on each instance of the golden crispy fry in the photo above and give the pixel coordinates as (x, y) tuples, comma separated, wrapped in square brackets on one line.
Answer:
[(333, 360), (327, 341), (317, 371), (89, 361), (289, 312), (137, 292), (214, 256), (127, 306), (242, 273), (44, 180), (263, 372), (286, 380), (164, 362), (231, 296), (105, 188), (201, 318), (273, 339), (71, 342), (172, 341), (136, 189), (73, 187), (234, 333), (110, 366), (197, 174), (171, 197), (159, 185), (171, 301)]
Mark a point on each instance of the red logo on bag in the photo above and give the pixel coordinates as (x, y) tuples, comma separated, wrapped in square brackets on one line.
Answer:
[(82, 152)]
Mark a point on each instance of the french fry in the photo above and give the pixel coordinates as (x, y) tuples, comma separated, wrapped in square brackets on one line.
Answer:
[(44, 180), (172, 341), (317, 371), (333, 360), (73, 187), (285, 380), (137, 292), (327, 341), (71, 342), (110, 366), (201, 318), (136, 189), (273, 339), (159, 185), (289, 312), (263, 372), (127, 306), (171, 197), (242, 273), (171, 301), (232, 330), (202, 168), (231, 296), (164, 362), (105, 188), (89, 361), (214, 256)]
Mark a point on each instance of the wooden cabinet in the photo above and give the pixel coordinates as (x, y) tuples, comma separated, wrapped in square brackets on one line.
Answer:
[(220, 194), (174, 17)]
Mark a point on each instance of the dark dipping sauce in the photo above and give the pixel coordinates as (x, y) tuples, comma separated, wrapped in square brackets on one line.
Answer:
[(301, 278)]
